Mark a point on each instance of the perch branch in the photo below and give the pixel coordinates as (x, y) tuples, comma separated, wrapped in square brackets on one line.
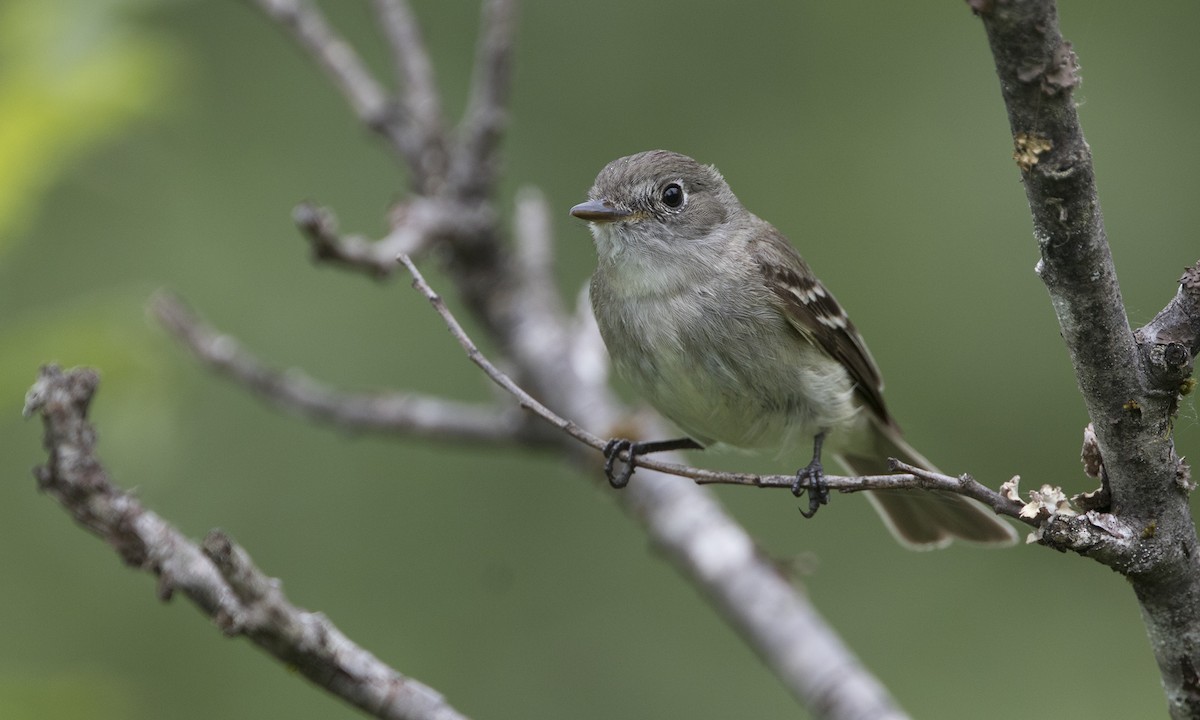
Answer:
[(218, 578), (915, 478)]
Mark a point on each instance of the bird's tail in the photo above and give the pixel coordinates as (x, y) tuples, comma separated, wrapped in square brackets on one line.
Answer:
[(923, 519)]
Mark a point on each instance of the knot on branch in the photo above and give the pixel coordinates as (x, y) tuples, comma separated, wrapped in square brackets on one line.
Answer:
[(1100, 536), (56, 392), (1169, 343), (1189, 282), (1169, 366)]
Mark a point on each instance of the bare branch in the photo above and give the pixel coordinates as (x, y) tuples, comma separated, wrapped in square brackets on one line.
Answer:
[(425, 142), (319, 224), (588, 355), (475, 162), (1131, 392), (411, 61), (295, 392), (1170, 341), (1039, 73), (778, 622), (220, 579), (916, 478), (426, 147), (535, 244), (337, 57), (417, 224), (497, 376)]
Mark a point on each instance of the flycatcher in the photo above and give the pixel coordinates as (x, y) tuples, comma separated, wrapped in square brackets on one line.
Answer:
[(714, 318)]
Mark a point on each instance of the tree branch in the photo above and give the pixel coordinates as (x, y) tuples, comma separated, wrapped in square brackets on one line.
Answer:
[(417, 225), (294, 391), (1169, 343), (218, 578), (475, 159), (343, 65), (425, 145), (915, 479), (1130, 402)]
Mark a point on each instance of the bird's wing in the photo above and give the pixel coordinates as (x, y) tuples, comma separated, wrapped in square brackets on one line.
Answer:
[(814, 313)]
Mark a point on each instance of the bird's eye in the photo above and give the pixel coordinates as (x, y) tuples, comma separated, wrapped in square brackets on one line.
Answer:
[(672, 195)]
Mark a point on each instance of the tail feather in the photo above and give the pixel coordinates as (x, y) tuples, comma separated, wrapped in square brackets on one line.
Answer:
[(924, 520)]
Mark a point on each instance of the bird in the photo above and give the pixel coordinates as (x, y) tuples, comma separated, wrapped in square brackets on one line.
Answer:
[(714, 318)]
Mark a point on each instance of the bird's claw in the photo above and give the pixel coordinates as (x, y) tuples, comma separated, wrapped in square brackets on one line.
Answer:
[(612, 451), (811, 479)]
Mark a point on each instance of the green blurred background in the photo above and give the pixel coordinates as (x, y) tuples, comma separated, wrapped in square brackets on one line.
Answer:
[(160, 143)]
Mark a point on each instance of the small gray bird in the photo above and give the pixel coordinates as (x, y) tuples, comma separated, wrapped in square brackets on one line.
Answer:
[(716, 320)]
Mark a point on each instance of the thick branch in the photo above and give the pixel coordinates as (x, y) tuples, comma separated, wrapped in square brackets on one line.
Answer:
[(219, 579), (776, 621), (1038, 73), (1130, 401)]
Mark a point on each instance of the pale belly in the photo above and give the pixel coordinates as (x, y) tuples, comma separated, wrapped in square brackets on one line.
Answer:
[(748, 381)]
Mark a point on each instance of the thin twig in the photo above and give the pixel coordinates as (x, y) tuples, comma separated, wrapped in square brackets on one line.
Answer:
[(417, 225), (219, 578), (915, 479), (426, 146), (411, 60), (473, 174), (497, 376), (338, 58), (296, 392), (319, 225)]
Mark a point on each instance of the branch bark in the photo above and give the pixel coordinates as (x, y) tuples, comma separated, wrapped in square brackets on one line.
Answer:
[(1130, 383), (219, 577), (346, 69), (913, 478), (409, 414)]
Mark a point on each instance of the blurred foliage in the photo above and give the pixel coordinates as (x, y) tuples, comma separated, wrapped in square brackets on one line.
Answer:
[(72, 74), (75, 697), (875, 137)]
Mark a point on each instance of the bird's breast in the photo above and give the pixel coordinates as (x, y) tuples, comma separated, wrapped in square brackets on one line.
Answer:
[(722, 363)]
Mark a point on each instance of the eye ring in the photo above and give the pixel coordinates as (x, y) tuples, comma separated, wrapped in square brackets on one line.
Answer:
[(672, 196)]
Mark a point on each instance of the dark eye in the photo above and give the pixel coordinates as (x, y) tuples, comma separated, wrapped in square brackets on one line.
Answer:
[(672, 195)]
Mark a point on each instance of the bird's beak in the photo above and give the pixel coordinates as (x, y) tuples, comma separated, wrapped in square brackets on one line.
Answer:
[(600, 211)]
